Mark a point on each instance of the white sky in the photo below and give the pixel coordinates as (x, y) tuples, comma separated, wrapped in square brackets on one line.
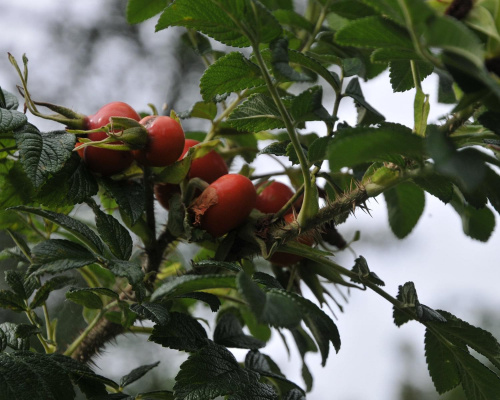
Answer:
[(450, 270)]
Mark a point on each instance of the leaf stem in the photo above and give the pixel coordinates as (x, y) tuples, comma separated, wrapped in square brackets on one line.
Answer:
[(310, 205), (73, 346)]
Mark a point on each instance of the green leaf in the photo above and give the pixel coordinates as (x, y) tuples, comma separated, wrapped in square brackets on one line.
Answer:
[(308, 106), (364, 274), (114, 234), (198, 42), (465, 167), (275, 309), (202, 109), (9, 101), (276, 148), (16, 282), (12, 301), (48, 287), (231, 73), (490, 120), (129, 195), (16, 187), (229, 333), (257, 113), (436, 185), (405, 205), (44, 153), (211, 300), (50, 377), (281, 63), (10, 120), (12, 339), (402, 77), (189, 283), (213, 371), (479, 382), (368, 116), (153, 311), (441, 364), (292, 19), (156, 395), (310, 63), (230, 266), (454, 37), (85, 297), (375, 32), (75, 227), (57, 255), (73, 184), (318, 149), (476, 223), (136, 374), (130, 270), (182, 332), (141, 10), (226, 21), (462, 333), (354, 146)]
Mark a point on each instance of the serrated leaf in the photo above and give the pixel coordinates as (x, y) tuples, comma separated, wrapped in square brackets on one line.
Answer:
[(441, 364), (211, 300), (72, 185), (281, 63), (16, 282), (114, 234), (229, 333), (48, 287), (276, 148), (218, 374), (136, 374), (374, 32), (354, 146), (407, 294), (85, 297), (201, 109), (11, 338), (367, 115), (224, 20), (57, 255), (12, 301), (292, 19), (130, 270), (257, 113), (43, 153), (189, 283), (182, 332), (10, 120), (231, 73), (267, 280), (153, 311), (478, 381), (141, 10), (318, 149), (405, 205), (10, 101), (75, 227), (128, 195), (307, 106), (402, 77), (364, 274), (24, 331), (461, 333), (436, 185), (47, 377), (310, 63), (230, 266), (272, 309), (16, 187)]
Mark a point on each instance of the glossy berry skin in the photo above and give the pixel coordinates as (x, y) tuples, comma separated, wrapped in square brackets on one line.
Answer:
[(113, 109), (210, 167), (286, 259), (163, 193), (224, 204), (107, 162), (165, 142), (273, 198)]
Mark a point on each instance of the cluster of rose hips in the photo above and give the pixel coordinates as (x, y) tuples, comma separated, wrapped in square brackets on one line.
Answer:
[(222, 206)]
